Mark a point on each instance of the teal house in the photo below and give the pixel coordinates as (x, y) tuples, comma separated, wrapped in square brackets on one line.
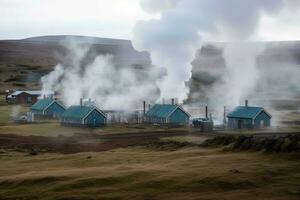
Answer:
[(167, 114), (48, 108), (249, 117), (86, 116)]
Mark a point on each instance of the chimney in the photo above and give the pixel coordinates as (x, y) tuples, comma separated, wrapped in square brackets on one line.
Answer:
[(224, 120), (206, 112), (173, 101), (80, 101), (144, 107), (246, 103)]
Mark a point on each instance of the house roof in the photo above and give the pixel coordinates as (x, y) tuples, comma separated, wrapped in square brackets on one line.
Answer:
[(163, 110), (246, 112), (79, 112), (36, 93), (42, 104), (31, 92)]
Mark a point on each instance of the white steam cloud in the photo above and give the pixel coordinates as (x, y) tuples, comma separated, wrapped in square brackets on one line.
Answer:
[(174, 38), (100, 80)]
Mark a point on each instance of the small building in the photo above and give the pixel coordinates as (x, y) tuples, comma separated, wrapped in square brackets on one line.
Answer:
[(169, 114), (204, 124), (86, 116), (248, 117), (47, 108), (23, 97)]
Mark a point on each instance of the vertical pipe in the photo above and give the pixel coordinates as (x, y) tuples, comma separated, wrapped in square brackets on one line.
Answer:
[(224, 120), (144, 107), (173, 101), (246, 103), (206, 112)]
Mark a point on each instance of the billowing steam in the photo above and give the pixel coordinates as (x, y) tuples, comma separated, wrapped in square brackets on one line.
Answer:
[(100, 80), (174, 38)]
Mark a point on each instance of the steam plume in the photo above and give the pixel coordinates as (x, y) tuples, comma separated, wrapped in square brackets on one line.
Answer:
[(100, 79), (174, 38)]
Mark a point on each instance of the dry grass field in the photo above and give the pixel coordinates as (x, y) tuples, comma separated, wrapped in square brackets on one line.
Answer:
[(148, 173)]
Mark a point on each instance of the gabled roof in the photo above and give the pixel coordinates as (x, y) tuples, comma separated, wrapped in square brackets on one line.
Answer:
[(246, 112), (79, 112), (163, 110), (43, 104)]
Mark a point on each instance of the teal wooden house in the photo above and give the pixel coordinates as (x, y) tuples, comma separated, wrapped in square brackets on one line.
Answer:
[(86, 116), (48, 108), (248, 117), (167, 114)]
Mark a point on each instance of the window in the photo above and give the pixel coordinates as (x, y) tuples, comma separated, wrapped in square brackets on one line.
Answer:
[(29, 99), (262, 124)]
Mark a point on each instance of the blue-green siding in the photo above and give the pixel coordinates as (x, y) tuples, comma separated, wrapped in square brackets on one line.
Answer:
[(48, 108), (179, 117), (262, 120), (239, 123), (95, 119), (55, 110)]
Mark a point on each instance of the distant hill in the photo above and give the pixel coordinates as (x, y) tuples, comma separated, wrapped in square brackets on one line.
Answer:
[(76, 38), (23, 62)]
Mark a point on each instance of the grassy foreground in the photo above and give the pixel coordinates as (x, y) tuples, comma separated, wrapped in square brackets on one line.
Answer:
[(145, 173)]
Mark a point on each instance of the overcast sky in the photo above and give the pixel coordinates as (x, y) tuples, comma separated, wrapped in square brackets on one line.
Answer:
[(106, 18)]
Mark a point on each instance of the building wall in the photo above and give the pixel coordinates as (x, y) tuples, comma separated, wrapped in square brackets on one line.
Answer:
[(157, 120), (237, 123), (25, 98), (37, 112), (262, 121), (95, 119), (55, 110), (179, 117)]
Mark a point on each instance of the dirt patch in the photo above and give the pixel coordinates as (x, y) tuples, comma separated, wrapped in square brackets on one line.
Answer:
[(76, 144), (85, 142)]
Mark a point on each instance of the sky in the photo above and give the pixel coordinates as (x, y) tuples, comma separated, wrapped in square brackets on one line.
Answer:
[(107, 18), (102, 18)]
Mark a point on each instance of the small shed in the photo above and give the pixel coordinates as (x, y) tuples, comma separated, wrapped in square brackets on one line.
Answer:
[(89, 116), (23, 97), (47, 108), (204, 124), (249, 117), (168, 114)]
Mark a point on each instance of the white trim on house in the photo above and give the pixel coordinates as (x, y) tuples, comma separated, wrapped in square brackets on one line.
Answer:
[(262, 110), (102, 113), (168, 116), (54, 101)]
